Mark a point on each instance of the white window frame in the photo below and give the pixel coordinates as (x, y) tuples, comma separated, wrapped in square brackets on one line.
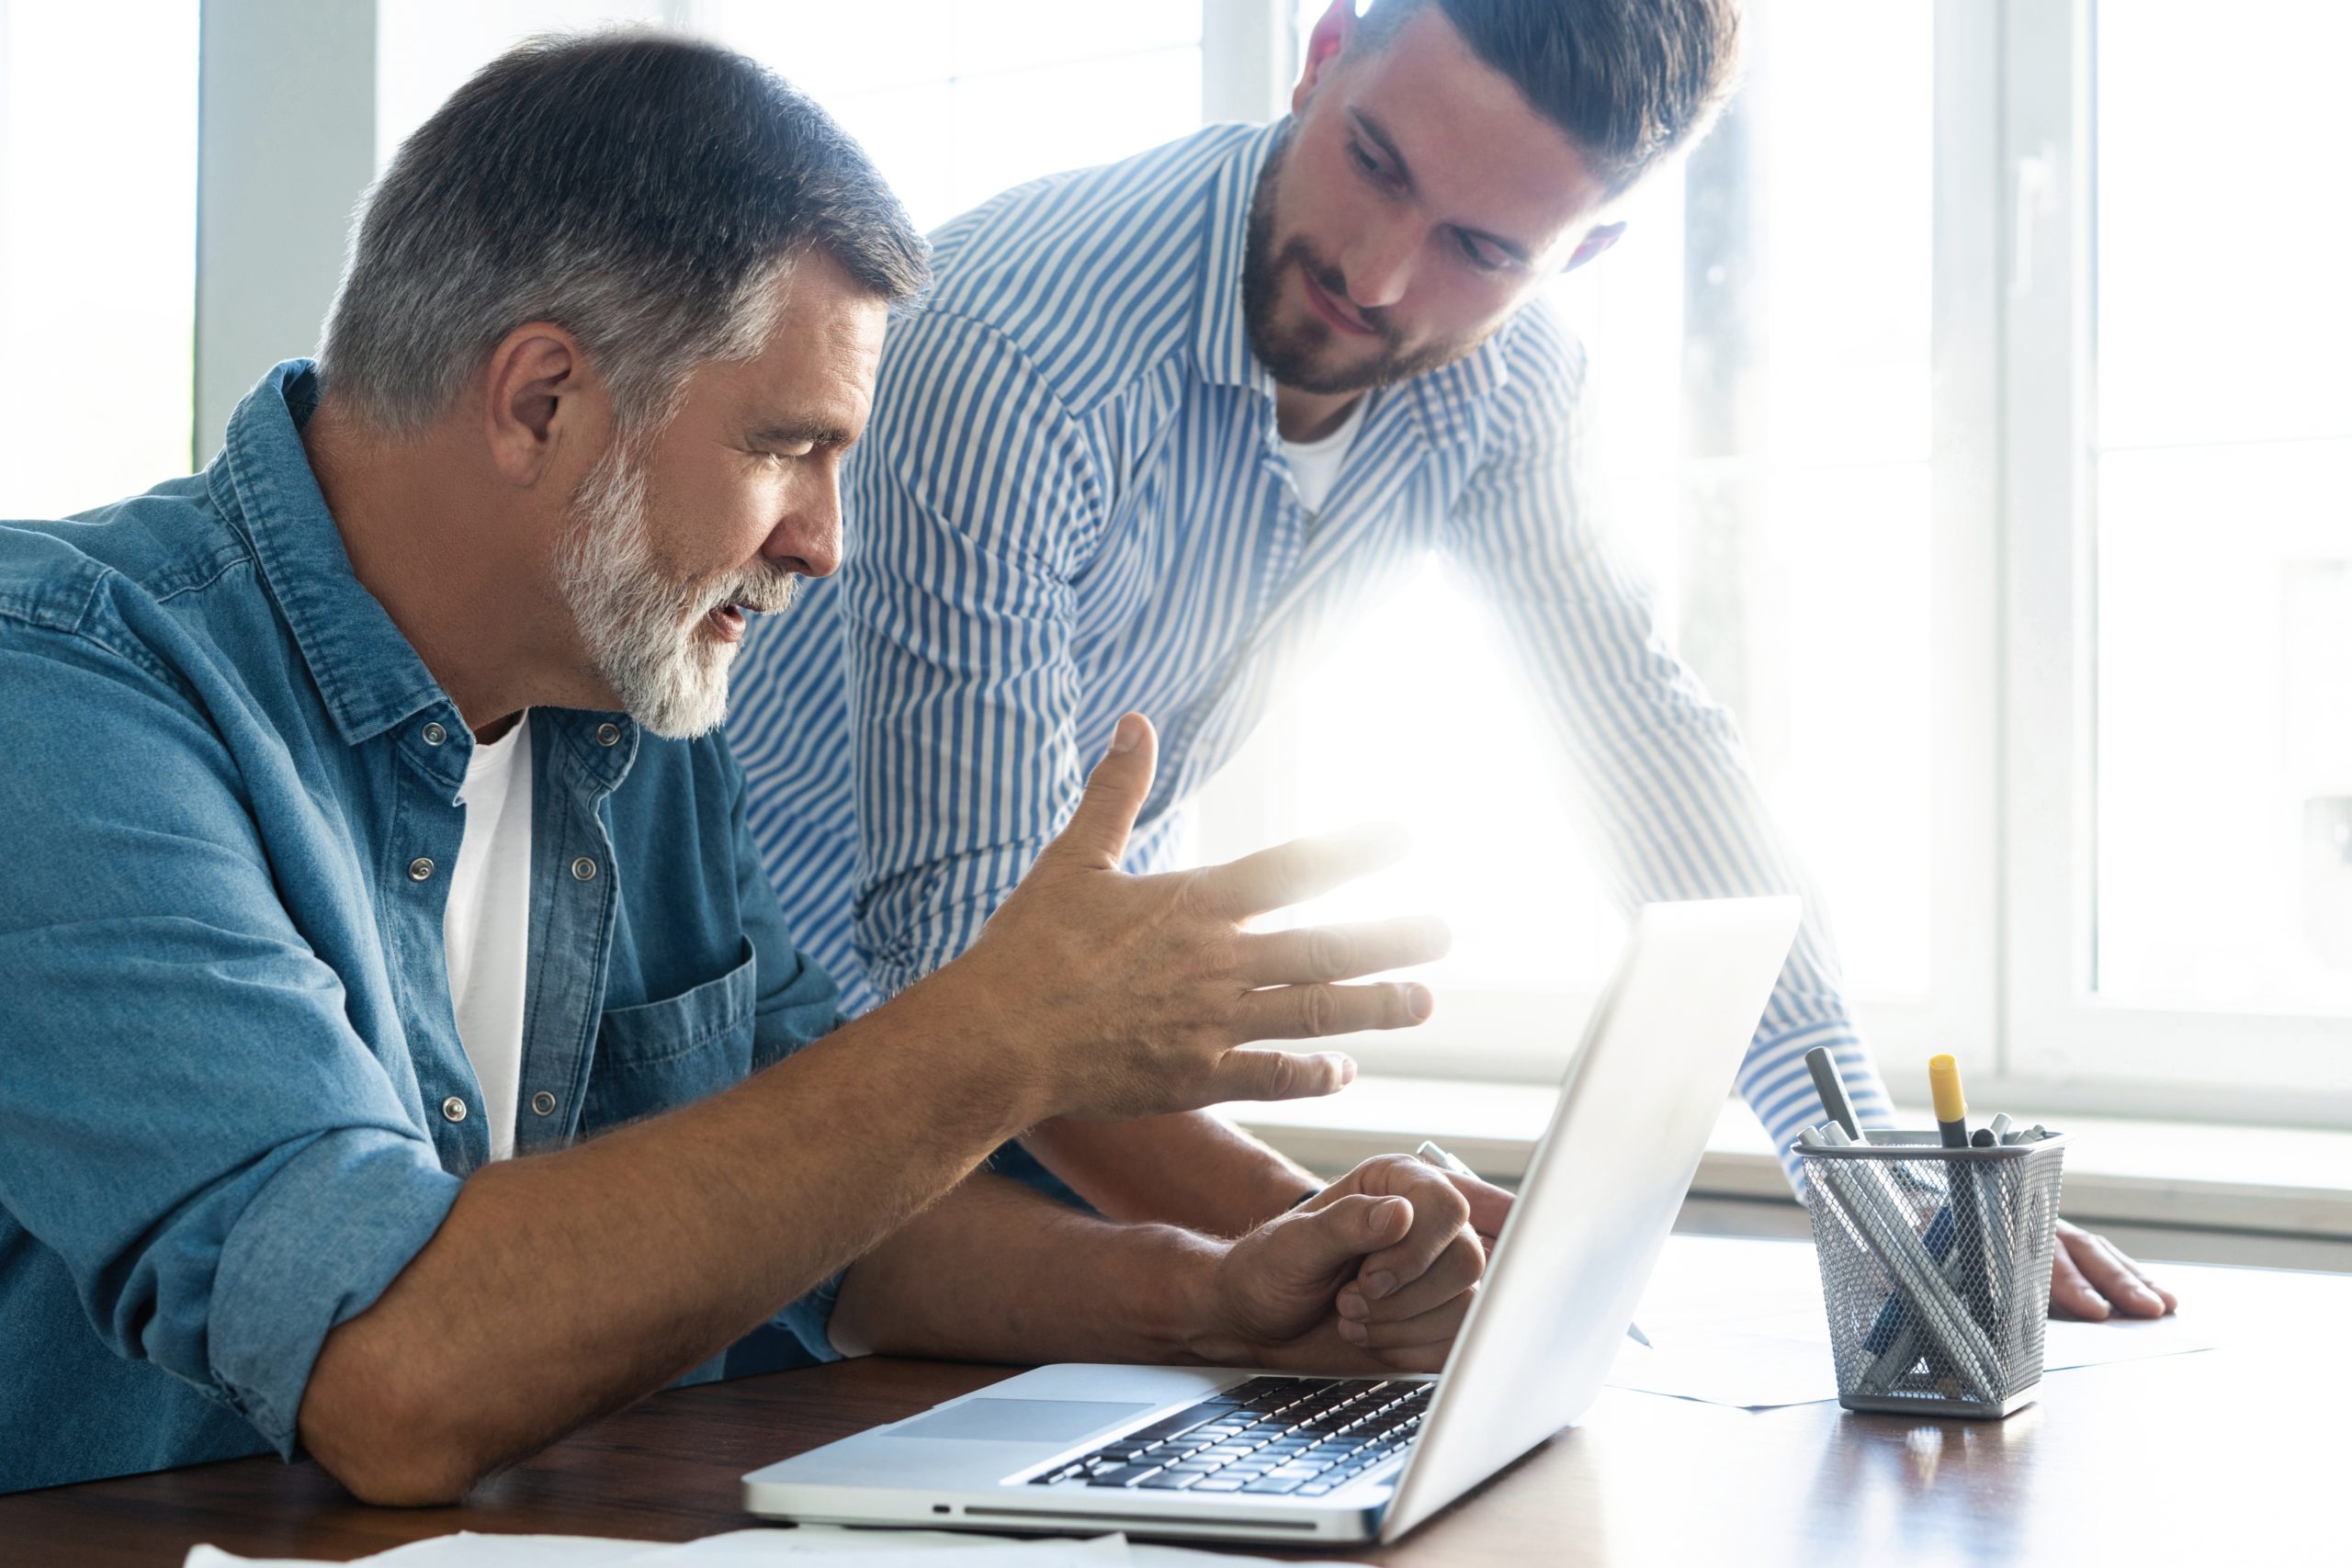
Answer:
[(2067, 1045)]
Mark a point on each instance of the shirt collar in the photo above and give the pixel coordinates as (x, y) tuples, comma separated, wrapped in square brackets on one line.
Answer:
[(1221, 331), (369, 675)]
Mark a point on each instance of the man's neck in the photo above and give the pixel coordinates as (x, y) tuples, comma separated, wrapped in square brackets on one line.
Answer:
[(460, 582), (1303, 417)]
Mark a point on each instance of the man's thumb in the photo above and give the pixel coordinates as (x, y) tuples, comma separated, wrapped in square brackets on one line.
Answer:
[(1097, 833)]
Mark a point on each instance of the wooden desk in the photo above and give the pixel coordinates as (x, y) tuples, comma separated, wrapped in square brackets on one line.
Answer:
[(2211, 1456)]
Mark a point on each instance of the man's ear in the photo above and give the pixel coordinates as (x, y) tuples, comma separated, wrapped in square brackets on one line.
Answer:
[(1325, 44), (1602, 236), (537, 394)]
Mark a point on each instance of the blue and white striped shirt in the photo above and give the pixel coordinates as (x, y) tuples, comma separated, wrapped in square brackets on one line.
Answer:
[(1071, 502)]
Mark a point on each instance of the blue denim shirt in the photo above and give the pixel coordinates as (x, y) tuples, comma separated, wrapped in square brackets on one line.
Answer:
[(232, 1100)]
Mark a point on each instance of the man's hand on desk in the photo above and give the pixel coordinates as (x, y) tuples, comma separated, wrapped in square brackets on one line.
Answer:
[(1392, 1220), (2091, 1278)]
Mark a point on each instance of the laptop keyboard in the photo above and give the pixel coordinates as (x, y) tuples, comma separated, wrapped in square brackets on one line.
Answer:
[(1290, 1437)]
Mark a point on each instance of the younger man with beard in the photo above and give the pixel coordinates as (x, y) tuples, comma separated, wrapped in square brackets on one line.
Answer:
[(366, 827)]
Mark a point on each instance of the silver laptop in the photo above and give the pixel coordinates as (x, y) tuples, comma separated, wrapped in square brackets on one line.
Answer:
[(1242, 1455)]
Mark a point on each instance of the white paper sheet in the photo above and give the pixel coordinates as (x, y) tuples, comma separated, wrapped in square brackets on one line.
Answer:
[(1762, 1364)]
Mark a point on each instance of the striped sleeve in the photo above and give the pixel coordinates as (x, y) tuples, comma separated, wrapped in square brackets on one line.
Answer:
[(977, 502), (1657, 765)]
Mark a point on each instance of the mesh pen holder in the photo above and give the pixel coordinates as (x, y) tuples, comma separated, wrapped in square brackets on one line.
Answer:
[(1935, 1268)]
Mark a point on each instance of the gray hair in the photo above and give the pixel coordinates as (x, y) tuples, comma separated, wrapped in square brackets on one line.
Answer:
[(642, 190)]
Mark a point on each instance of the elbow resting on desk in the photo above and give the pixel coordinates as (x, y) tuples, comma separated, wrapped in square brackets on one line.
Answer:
[(382, 1426)]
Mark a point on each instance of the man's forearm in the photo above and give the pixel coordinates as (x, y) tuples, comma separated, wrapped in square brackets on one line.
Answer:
[(1192, 1169), (566, 1285), (999, 1272)]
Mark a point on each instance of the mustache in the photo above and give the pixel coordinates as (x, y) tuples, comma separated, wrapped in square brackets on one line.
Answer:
[(1332, 281), (769, 591)]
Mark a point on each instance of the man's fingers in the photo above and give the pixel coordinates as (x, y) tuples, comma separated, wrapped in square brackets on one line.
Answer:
[(1097, 832), (1436, 1326), (1302, 869), (1308, 1013), (2071, 1295), (1341, 952), (1280, 1074), (1381, 1294), (2113, 1276), (1489, 1204), (1333, 1237), (1441, 1215)]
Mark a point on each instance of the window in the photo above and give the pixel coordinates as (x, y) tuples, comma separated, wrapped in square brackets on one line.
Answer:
[(97, 251), (2179, 526), (965, 100), (2223, 503)]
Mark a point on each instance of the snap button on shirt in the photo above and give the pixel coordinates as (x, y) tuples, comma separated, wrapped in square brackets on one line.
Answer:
[(543, 1103), (583, 869), (435, 735), (454, 1108), (608, 735), (420, 869)]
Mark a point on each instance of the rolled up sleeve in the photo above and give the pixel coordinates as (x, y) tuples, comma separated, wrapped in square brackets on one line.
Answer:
[(194, 1125)]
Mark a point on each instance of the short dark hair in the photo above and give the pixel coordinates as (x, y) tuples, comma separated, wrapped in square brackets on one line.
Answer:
[(1629, 81), (642, 190)]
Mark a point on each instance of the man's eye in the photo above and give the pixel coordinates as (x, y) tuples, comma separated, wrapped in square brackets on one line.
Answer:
[(1481, 256), (1364, 159), (781, 453)]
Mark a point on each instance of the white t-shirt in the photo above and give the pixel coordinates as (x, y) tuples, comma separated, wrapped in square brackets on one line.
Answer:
[(1315, 465), (487, 925)]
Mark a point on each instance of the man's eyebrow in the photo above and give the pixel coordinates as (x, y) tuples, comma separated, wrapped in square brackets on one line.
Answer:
[(794, 433)]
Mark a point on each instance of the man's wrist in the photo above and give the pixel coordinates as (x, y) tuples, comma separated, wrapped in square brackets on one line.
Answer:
[(963, 1031), (1196, 1327)]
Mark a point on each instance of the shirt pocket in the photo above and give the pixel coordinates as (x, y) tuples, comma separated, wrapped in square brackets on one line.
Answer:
[(658, 1056)]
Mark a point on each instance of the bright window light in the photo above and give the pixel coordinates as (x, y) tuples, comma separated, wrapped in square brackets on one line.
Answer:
[(97, 251), (2224, 507)]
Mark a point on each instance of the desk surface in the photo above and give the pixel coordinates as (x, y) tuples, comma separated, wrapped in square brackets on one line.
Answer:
[(2168, 1460)]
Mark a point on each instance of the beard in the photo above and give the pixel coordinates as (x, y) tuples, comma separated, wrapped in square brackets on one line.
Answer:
[(1301, 355), (649, 631)]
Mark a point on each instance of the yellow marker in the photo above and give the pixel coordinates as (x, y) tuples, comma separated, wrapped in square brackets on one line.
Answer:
[(1951, 1106)]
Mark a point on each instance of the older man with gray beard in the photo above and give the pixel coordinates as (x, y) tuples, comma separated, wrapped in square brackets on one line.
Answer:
[(371, 828)]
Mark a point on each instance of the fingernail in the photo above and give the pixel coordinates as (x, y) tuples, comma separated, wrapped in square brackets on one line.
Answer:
[(1380, 1285), (1353, 1304), (1352, 1332), (1347, 1069), (1418, 1002), (1126, 738)]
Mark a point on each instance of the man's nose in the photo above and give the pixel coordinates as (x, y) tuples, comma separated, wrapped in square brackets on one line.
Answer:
[(808, 538), (1379, 265)]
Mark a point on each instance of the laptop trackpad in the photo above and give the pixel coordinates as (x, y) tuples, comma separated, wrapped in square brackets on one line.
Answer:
[(1019, 1420)]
